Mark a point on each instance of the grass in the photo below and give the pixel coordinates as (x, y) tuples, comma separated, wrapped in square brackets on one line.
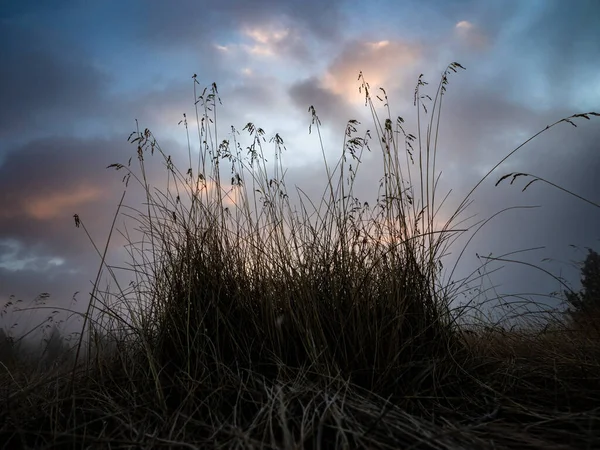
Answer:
[(257, 321)]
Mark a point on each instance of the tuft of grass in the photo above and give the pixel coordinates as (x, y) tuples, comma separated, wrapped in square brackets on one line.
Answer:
[(258, 321)]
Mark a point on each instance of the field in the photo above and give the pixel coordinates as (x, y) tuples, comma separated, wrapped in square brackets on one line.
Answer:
[(262, 318)]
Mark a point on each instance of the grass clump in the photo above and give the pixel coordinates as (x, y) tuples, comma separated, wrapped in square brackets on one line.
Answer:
[(258, 321)]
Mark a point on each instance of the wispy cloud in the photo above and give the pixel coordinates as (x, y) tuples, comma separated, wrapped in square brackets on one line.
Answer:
[(471, 35)]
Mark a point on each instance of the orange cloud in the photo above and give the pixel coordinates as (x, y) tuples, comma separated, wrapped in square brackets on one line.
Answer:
[(207, 188), (382, 64), (57, 204)]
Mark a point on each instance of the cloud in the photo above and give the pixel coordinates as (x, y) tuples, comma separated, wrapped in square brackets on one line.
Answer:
[(45, 182), (14, 257), (42, 185), (552, 50), (55, 204), (41, 85), (266, 41), (11, 10), (331, 108), (471, 35), (272, 44), (383, 63), (192, 20)]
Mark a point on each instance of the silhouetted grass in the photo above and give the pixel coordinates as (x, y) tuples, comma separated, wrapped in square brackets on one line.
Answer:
[(262, 322)]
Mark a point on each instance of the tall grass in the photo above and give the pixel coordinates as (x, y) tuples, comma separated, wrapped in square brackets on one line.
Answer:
[(261, 318)]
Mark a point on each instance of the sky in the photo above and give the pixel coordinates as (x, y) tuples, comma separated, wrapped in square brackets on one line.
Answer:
[(76, 75)]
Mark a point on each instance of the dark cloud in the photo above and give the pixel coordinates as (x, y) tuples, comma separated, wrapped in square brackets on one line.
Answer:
[(10, 10), (45, 182), (61, 283), (567, 35), (192, 20), (566, 156), (45, 81), (42, 185), (332, 109), (552, 49)]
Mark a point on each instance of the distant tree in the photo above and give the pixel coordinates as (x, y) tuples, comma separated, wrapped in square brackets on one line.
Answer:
[(7, 347), (587, 301), (54, 347)]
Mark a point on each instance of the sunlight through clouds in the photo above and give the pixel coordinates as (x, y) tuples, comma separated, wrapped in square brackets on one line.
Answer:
[(471, 35), (381, 62), (267, 41)]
